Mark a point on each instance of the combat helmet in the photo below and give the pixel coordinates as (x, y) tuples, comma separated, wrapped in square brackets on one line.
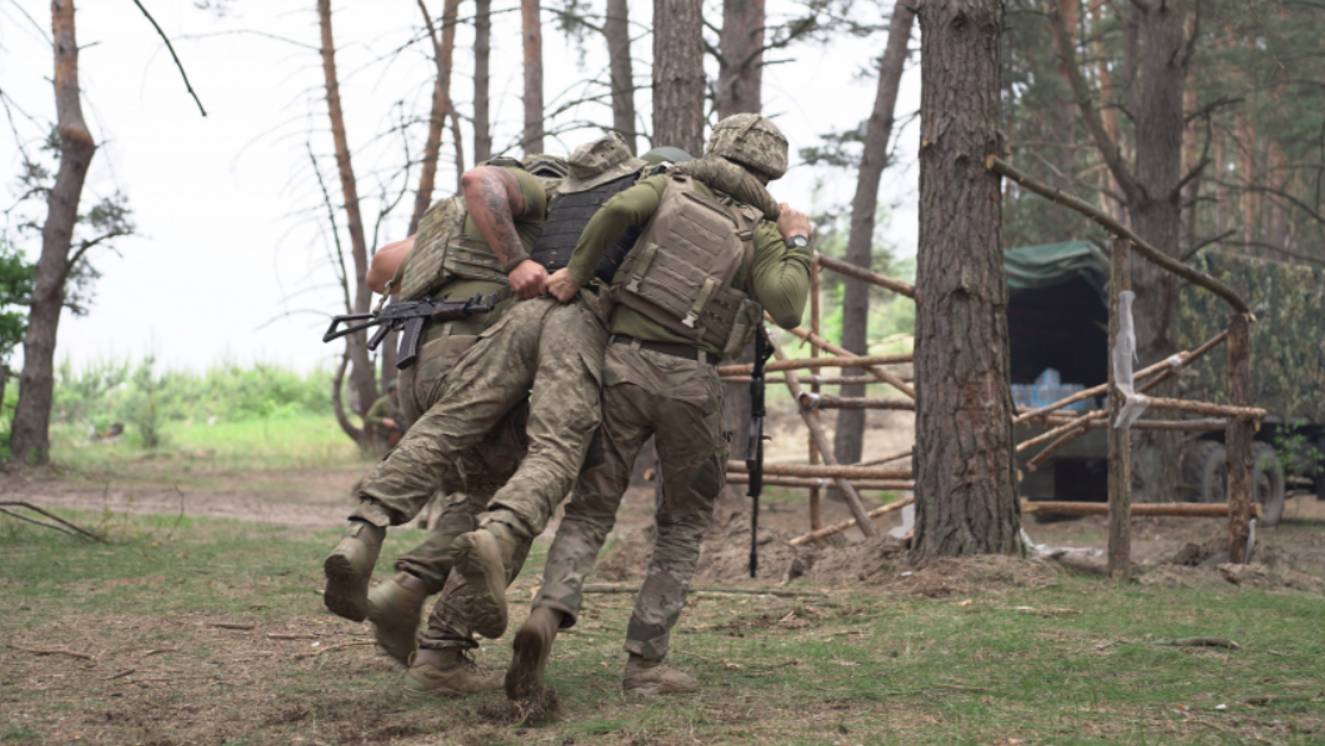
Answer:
[(752, 141)]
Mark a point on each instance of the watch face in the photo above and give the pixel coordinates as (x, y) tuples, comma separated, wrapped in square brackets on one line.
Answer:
[(800, 242)]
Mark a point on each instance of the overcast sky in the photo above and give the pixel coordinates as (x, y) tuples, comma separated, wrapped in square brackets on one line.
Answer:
[(230, 260)]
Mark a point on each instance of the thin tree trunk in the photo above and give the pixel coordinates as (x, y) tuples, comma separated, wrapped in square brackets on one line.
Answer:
[(678, 74), (482, 52), (966, 494), (532, 32), (616, 27), (361, 369), (29, 439), (741, 57), (848, 443), (1156, 214), (443, 54)]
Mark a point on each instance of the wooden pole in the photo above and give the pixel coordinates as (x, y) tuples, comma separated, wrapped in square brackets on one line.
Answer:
[(1237, 439), (822, 483), (825, 450), (1178, 510), (841, 361), (1120, 438), (823, 401), (882, 375), (841, 526), (865, 275), (824, 471), (816, 318)]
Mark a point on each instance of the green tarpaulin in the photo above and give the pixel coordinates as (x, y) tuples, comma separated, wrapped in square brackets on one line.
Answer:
[(1050, 264)]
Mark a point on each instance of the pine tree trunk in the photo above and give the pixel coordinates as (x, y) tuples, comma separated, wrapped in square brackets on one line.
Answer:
[(532, 32), (617, 30), (482, 78), (29, 439), (966, 496), (678, 74), (848, 442), (1156, 216), (443, 55), (741, 57), (362, 374)]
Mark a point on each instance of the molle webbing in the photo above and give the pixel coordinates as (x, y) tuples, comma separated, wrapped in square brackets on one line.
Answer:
[(424, 270), (567, 216)]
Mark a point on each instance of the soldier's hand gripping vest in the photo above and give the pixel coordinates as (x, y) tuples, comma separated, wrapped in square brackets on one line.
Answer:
[(690, 268), (567, 216)]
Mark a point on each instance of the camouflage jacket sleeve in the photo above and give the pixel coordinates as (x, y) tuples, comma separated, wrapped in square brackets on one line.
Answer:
[(780, 278), (626, 210)]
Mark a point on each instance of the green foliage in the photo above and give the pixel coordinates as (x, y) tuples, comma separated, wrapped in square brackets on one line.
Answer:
[(890, 314), (106, 392), (15, 289)]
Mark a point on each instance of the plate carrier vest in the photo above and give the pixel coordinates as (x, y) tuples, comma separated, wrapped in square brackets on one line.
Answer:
[(567, 216), (691, 266)]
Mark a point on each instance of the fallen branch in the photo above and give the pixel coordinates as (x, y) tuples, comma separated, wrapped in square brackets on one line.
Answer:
[(334, 648), (53, 651), (621, 588), (63, 526), (1200, 642), (841, 526), (243, 626)]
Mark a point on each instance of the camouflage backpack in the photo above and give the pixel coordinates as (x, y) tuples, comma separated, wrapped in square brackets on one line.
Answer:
[(690, 266)]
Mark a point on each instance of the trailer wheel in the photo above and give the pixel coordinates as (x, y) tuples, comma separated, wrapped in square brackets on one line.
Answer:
[(1267, 478), (1204, 470)]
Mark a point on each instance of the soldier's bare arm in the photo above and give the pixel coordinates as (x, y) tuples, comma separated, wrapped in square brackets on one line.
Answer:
[(386, 261), (493, 199)]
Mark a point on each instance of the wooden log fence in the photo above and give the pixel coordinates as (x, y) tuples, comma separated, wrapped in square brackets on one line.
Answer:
[(865, 275), (822, 483), (787, 364), (841, 526), (824, 471), (824, 401), (1177, 510)]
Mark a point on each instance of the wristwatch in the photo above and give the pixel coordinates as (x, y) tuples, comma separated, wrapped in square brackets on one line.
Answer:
[(799, 242)]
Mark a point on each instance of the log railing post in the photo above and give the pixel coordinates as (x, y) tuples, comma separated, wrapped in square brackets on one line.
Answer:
[(1120, 438), (816, 508), (1237, 438)]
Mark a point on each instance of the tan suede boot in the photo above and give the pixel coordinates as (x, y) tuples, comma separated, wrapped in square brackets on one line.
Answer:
[(533, 644), (449, 672), (394, 608), (481, 558), (646, 678), (349, 567)]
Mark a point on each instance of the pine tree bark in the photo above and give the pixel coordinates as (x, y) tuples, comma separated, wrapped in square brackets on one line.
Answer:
[(678, 74), (848, 443), (361, 368), (29, 439), (616, 28), (741, 58), (532, 32), (482, 79), (965, 489)]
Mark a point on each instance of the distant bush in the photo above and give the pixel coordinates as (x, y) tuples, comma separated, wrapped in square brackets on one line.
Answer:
[(145, 399)]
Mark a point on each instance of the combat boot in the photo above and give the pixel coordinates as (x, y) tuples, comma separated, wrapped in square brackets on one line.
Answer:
[(481, 558), (349, 567), (394, 608), (533, 644), (449, 672), (648, 678)]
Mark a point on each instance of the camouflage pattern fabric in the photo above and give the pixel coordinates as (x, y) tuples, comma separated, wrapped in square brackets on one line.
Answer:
[(557, 350), (752, 141), (1288, 337), (448, 624), (679, 401), (731, 179)]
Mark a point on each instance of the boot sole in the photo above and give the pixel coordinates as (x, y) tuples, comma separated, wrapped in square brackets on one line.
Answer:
[(525, 676), (476, 556), (346, 594)]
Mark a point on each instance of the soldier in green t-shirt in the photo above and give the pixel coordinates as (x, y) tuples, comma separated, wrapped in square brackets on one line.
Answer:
[(710, 260)]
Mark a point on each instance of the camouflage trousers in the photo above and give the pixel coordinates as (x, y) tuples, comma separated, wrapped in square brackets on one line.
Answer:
[(474, 476), (679, 401)]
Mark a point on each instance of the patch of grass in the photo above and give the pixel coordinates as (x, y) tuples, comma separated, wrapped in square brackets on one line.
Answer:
[(1079, 661), (292, 442)]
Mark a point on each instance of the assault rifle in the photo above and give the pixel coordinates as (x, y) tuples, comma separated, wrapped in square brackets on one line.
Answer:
[(407, 315), (754, 450)]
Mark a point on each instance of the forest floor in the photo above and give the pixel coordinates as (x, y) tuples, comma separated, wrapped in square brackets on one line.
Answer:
[(201, 622)]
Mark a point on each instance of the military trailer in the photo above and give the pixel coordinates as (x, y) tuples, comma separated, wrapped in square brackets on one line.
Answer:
[(1058, 329)]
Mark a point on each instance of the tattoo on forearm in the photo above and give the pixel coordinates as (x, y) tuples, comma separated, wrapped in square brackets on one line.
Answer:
[(490, 207)]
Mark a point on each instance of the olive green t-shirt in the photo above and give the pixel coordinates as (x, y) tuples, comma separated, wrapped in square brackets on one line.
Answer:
[(780, 275), (528, 224)]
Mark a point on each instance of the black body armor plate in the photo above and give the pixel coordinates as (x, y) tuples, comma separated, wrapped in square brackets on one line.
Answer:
[(567, 216)]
